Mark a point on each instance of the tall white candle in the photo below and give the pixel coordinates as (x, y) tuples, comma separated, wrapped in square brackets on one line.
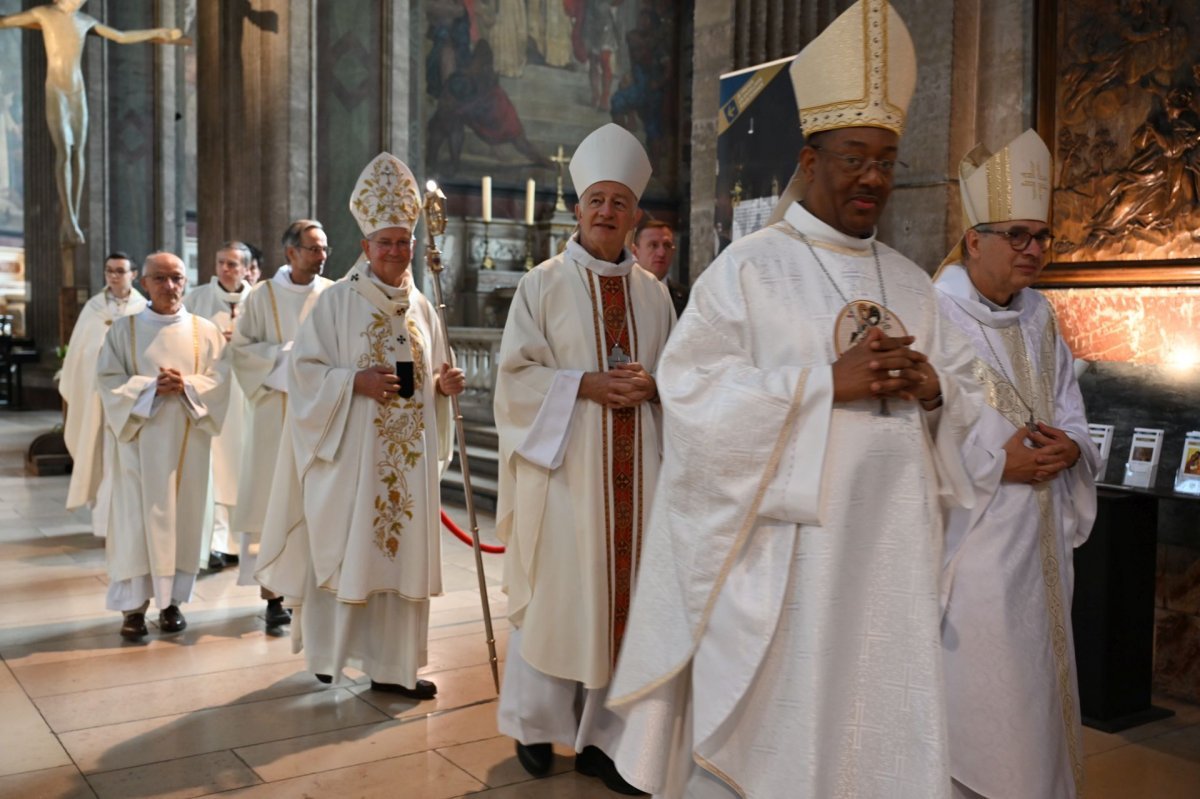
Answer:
[(530, 187), (487, 198)]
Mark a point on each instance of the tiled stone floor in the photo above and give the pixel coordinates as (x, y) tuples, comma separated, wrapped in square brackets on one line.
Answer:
[(225, 709)]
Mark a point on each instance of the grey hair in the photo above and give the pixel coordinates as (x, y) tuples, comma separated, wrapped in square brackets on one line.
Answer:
[(291, 236), (241, 249)]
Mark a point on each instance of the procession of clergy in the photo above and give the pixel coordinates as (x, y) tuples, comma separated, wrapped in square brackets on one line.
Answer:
[(813, 538)]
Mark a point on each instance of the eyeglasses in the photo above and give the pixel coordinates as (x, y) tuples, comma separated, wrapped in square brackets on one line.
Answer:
[(855, 165), (317, 249), (178, 280), (1019, 239), (387, 244)]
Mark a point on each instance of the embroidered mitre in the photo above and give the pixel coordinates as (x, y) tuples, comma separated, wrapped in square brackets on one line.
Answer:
[(385, 195), (859, 72), (1011, 184), (610, 153)]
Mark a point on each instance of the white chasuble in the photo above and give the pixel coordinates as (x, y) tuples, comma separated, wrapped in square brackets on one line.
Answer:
[(84, 427), (223, 308), (162, 469), (1008, 649), (785, 620), (354, 511), (261, 351), (576, 478)]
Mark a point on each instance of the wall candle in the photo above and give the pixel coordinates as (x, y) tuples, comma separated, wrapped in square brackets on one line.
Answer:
[(530, 187), (487, 198)]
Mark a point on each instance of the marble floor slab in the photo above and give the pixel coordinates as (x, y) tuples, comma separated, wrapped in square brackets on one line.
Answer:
[(226, 710)]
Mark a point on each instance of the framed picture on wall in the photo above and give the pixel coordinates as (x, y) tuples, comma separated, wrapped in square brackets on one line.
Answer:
[(1119, 106)]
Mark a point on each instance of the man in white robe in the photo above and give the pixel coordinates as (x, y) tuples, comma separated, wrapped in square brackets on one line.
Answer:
[(84, 431), (352, 535), (1012, 691), (261, 356), (164, 393), (579, 456), (220, 302), (785, 630)]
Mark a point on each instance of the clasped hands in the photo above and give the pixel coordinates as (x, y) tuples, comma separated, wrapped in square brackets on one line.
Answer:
[(381, 384), (1051, 453), (626, 385), (880, 367), (169, 381)]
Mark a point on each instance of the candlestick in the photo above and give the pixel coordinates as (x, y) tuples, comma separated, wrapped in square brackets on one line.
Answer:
[(487, 198), (530, 188), (488, 263)]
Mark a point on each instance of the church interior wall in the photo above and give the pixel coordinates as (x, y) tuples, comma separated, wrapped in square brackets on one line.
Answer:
[(281, 134)]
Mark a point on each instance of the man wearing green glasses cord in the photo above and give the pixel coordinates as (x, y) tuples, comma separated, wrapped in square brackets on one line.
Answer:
[(1012, 695)]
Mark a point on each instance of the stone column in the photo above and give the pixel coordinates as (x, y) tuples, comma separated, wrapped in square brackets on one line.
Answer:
[(256, 106)]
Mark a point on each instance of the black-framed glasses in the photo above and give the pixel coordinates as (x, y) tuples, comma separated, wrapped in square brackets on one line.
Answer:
[(1019, 239), (317, 249), (856, 165)]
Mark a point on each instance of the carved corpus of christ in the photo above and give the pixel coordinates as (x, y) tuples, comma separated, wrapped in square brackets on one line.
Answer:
[(63, 30)]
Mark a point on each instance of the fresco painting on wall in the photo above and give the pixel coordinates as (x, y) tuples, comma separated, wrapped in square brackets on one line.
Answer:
[(510, 81), (12, 178), (1125, 127)]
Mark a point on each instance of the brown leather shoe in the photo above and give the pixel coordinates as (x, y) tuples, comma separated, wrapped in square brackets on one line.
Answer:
[(170, 620), (424, 690), (133, 628)]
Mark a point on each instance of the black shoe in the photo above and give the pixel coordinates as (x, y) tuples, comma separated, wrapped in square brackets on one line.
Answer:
[(230, 560), (277, 615), (133, 628), (216, 561), (591, 762), (170, 620), (536, 758), (325, 678), (424, 690)]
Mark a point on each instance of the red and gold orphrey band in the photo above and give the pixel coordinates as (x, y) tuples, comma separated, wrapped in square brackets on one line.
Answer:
[(623, 468)]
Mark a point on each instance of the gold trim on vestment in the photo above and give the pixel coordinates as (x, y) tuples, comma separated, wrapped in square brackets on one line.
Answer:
[(1038, 385), (708, 766)]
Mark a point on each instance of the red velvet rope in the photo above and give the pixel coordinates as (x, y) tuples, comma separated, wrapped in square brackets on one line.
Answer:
[(466, 539)]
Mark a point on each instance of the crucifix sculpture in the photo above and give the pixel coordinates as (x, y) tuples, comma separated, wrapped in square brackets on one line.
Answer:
[(63, 30)]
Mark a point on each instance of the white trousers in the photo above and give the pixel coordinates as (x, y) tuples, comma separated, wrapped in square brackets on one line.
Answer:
[(133, 594), (538, 708), (223, 539)]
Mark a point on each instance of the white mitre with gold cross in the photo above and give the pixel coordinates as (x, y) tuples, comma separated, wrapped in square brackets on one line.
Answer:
[(610, 153), (1009, 185), (386, 195), (860, 71)]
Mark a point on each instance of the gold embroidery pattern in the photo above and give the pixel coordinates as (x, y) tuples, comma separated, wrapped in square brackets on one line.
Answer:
[(1042, 399), (1000, 395), (999, 182), (388, 197), (399, 425)]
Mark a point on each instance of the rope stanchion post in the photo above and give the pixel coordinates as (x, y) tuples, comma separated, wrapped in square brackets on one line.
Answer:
[(435, 225)]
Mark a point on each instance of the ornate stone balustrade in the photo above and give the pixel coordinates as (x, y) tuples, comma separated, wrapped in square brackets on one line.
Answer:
[(476, 350)]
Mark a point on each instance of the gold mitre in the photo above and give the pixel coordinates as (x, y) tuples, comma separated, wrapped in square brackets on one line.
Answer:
[(859, 72), (1012, 184), (610, 153), (385, 195)]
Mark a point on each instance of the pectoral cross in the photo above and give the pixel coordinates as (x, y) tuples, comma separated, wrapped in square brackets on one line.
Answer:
[(617, 356)]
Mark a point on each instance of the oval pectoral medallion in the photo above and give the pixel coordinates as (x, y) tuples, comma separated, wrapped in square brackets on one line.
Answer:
[(854, 320)]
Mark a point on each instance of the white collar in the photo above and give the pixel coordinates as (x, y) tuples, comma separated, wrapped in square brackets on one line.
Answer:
[(283, 279), (233, 297), (582, 257), (156, 318), (392, 292), (956, 284), (824, 234)]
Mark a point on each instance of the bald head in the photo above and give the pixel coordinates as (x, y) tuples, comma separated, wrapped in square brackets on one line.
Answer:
[(165, 279)]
